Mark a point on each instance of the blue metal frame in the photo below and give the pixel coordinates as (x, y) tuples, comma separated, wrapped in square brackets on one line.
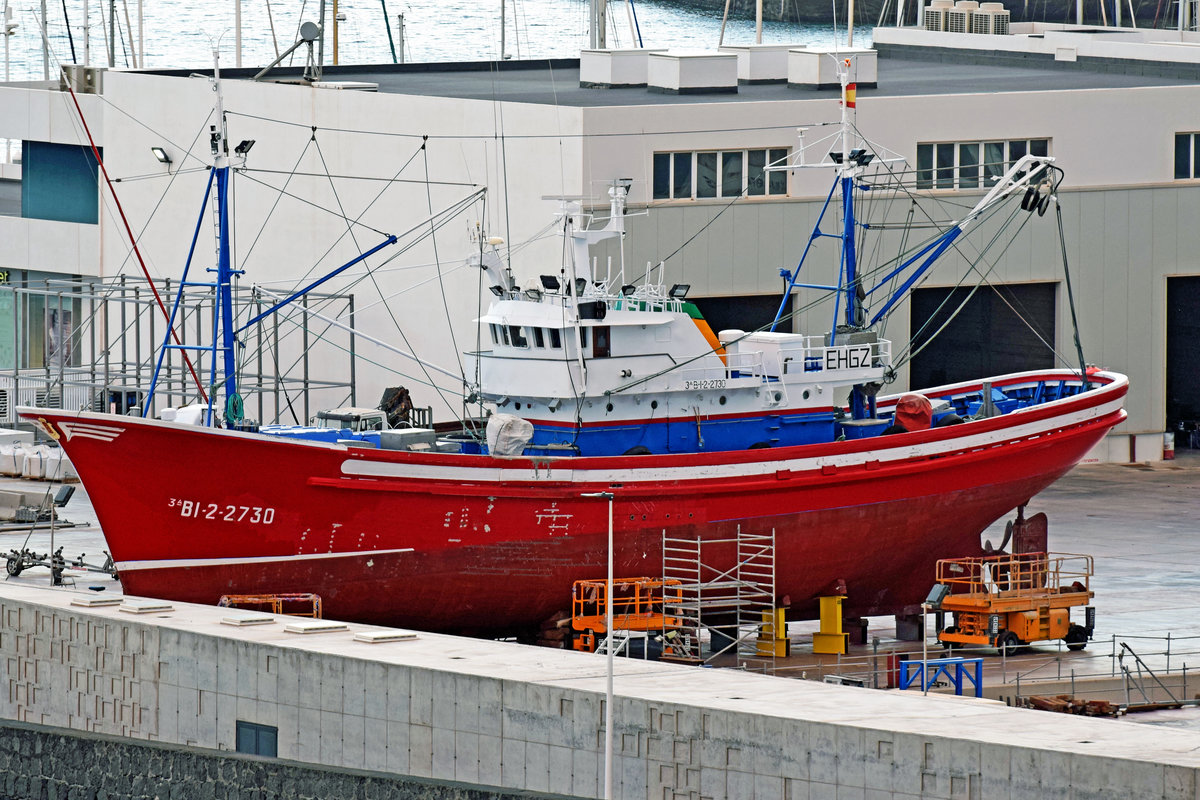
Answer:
[(224, 337), (955, 669)]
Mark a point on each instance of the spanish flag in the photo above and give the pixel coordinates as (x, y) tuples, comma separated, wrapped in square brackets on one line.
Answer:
[(851, 90)]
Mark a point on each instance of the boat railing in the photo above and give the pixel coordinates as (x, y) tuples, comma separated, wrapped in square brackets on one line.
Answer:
[(816, 356), (68, 389), (737, 365), (1016, 574)]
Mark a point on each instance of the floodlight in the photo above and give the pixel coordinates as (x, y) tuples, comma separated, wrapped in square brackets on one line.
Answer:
[(628, 289), (244, 148), (161, 155), (497, 290), (550, 283), (680, 291)]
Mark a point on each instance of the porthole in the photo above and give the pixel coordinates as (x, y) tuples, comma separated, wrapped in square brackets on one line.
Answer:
[(721, 400), (654, 404), (608, 407), (805, 395), (517, 406)]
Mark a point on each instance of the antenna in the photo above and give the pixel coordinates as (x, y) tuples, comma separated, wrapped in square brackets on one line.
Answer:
[(309, 33)]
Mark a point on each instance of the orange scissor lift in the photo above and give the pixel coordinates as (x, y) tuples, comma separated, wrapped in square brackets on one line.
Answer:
[(637, 606), (1007, 601)]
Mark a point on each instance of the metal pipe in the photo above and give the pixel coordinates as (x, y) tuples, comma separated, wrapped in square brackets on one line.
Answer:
[(353, 365), (45, 47)]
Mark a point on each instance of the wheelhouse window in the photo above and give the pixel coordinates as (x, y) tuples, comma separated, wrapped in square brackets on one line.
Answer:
[(1187, 156), (971, 165), (555, 339), (539, 340), (719, 173), (518, 336)]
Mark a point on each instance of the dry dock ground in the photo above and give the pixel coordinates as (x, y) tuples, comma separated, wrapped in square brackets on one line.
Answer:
[(1138, 521)]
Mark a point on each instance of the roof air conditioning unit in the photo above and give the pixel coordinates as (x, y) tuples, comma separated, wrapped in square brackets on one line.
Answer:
[(958, 19), (84, 80), (991, 18), (935, 15)]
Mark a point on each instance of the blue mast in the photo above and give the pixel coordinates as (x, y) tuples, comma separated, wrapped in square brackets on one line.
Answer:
[(223, 331)]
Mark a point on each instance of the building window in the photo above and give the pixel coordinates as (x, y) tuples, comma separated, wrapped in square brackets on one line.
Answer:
[(1187, 155), (257, 740), (59, 182), (971, 165), (721, 173)]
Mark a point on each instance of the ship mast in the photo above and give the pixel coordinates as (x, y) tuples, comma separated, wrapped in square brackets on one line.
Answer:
[(223, 169)]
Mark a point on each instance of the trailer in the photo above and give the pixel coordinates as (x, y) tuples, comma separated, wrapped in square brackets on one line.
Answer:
[(1008, 601)]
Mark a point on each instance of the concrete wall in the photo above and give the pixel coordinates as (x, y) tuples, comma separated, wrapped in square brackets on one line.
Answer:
[(55, 764), (528, 718)]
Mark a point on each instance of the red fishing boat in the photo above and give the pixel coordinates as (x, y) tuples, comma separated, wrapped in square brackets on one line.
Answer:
[(598, 386)]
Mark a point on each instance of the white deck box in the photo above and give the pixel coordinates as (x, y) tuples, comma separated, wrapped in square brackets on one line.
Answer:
[(705, 72), (761, 63), (614, 68)]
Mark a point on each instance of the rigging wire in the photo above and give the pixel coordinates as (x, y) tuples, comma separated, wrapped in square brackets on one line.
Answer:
[(485, 137), (438, 263)]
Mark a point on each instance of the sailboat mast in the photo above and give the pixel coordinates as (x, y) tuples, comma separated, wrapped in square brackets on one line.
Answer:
[(598, 24)]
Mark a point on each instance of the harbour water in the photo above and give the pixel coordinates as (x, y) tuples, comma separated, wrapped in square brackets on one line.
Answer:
[(181, 34)]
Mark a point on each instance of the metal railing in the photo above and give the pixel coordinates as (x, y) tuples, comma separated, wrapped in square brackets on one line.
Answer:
[(73, 343)]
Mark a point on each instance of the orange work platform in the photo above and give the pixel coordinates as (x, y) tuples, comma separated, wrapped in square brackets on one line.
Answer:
[(1007, 601)]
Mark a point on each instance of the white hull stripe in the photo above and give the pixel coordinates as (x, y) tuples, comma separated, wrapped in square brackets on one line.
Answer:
[(387, 469), (87, 430), (132, 566)]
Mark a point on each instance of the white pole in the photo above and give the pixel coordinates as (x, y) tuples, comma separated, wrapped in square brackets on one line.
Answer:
[(237, 26), (141, 38), (501, 30), (87, 35), (7, 33), (850, 23), (758, 21), (608, 626), (924, 650), (45, 47)]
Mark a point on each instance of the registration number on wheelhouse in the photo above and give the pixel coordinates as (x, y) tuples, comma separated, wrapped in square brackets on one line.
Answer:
[(848, 357), (715, 383), (196, 509)]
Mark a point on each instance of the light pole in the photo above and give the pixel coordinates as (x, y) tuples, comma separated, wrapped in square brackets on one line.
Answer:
[(608, 628)]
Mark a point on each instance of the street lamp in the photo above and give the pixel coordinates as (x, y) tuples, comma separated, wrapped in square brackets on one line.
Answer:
[(608, 627)]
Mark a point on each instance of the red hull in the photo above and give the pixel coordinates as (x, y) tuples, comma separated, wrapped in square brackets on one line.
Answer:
[(479, 544)]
